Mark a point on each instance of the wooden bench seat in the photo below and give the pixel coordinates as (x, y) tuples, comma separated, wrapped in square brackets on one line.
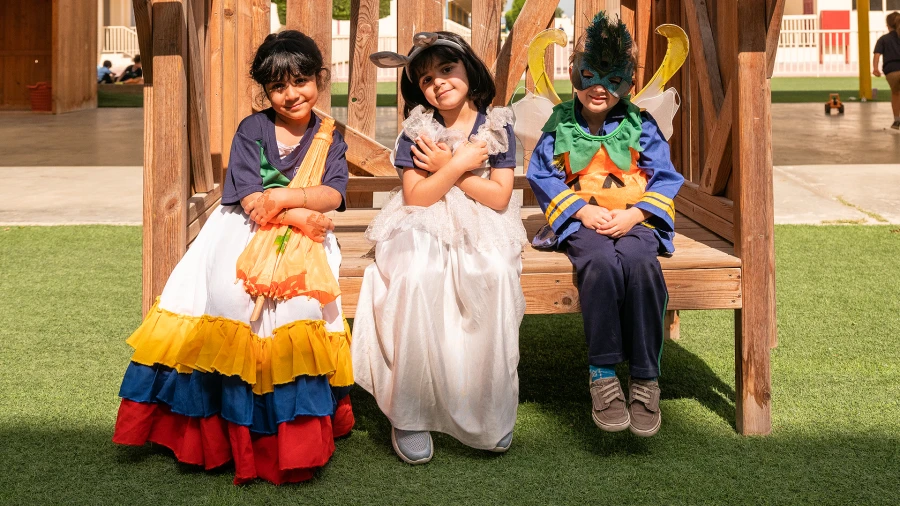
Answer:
[(703, 273)]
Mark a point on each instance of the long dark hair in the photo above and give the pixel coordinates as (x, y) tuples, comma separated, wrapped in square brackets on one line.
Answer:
[(288, 54), (481, 82)]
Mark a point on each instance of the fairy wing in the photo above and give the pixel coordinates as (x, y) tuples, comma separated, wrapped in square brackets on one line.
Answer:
[(663, 103)]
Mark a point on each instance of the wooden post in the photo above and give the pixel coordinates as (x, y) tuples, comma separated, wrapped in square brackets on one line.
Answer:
[(513, 56), (672, 325), (754, 224), (262, 26), (313, 17), (245, 51), (198, 114), (230, 69), (414, 16), (865, 65), (214, 81), (167, 162)]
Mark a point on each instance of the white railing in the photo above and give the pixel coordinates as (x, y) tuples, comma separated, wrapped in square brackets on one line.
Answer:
[(816, 52), (802, 22), (120, 39)]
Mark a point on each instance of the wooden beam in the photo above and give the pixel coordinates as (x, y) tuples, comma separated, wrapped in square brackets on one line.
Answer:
[(716, 205), (313, 17), (672, 325), (706, 66), (144, 24), (414, 16), (703, 216), (754, 224), (772, 35), (362, 93), (717, 165), (167, 176), (200, 202), (512, 59), (364, 154), (486, 16), (198, 119), (262, 27)]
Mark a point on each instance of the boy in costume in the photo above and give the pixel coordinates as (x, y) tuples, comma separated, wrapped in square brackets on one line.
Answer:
[(603, 175)]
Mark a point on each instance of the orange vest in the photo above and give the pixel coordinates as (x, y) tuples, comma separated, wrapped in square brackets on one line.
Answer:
[(602, 183)]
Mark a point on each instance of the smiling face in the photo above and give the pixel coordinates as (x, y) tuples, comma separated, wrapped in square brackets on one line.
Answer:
[(445, 85), (595, 99), (293, 98)]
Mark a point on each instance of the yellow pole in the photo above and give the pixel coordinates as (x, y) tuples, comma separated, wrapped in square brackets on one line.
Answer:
[(865, 70)]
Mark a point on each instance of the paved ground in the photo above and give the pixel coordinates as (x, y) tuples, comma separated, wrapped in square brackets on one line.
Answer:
[(85, 167)]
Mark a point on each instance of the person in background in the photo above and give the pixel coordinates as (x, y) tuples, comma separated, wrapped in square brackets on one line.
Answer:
[(888, 47), (134, 73), (104, 74)]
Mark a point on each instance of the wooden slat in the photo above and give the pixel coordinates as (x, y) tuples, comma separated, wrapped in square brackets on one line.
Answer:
[(230, 69), (167, 176), (364, 154), (363, 79), (512, 59), (584, 13), (262, 26), (307, 16), (201, 202), (149, 289), (362, 91), (717, 165), (245, 50), (486, 29), (772, 35), (197, 223), (214, 86), (198, 120), (706, 67), (719, 206), (754, 225), (144, 24), (414, 16), (704, 217)]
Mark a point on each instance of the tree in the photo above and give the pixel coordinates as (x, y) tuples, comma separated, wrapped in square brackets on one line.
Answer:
[(516, 8), (340, 9)]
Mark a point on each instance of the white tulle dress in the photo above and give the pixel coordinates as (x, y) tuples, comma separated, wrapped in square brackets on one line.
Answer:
[(436, 333)]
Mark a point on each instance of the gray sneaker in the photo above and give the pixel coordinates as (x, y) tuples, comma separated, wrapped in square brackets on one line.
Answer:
[(643, 405), (413, 447), (503, 444), (608, 405)]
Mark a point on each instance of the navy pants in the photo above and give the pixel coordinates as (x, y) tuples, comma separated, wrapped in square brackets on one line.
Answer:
[(623, 297)]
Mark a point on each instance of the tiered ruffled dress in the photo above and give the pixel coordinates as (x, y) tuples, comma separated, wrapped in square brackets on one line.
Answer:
[(213, 387), (436, 331)]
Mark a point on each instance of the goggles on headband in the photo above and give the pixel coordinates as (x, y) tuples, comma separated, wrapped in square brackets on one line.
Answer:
[(421, 42)]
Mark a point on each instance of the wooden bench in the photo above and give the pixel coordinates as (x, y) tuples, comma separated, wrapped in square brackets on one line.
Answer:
[(702, 274)]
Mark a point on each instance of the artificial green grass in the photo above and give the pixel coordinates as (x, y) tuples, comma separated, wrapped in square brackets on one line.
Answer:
[(71, 295), (130, 95)]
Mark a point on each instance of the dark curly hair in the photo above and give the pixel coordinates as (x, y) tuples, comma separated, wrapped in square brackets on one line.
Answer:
[(481, 82), (288, 54)]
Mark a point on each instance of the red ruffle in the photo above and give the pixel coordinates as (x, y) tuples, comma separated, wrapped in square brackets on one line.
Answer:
[(301, 445)]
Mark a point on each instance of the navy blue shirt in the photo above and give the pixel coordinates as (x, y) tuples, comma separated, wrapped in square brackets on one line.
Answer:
[(257, 133), (888, 46), (403, 157)]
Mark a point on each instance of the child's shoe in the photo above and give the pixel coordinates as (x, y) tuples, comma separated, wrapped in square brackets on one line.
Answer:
[(503, 444), (896, 125), (413, 447), (643, 406), (608, 405)]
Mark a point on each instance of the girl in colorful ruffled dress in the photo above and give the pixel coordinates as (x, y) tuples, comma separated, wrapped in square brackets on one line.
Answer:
[(437, 324), (205, 381)]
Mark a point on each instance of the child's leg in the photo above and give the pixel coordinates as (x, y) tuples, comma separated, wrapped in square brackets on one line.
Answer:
[(601, 293), (644, 304)]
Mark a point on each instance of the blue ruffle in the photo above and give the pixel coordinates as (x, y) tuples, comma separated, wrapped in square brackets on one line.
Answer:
[(200, 395)]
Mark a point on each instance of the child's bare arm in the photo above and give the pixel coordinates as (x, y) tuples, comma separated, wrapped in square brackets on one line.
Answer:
[(494, 192)]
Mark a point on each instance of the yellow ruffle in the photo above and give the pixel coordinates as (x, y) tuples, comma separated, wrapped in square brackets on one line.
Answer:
[(229, 347)]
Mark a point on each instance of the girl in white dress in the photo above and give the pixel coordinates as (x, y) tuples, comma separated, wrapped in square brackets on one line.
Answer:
[(436, 333)]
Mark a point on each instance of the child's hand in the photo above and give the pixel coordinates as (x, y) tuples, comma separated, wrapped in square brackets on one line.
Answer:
[(621, 221), (313, 224), (267, 206), (430, 156), (592, 216), (471, 155)]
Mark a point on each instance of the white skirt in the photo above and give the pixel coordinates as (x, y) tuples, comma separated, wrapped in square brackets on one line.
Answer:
[(203, 282), (436, 333)]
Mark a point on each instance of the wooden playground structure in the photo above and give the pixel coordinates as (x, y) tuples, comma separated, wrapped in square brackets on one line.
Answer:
[(196, 57)]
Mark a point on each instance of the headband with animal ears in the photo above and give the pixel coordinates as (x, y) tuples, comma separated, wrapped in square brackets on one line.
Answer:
[(421, 42)]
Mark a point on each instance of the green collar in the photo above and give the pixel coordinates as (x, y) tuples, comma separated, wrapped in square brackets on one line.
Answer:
[(582, 146)]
